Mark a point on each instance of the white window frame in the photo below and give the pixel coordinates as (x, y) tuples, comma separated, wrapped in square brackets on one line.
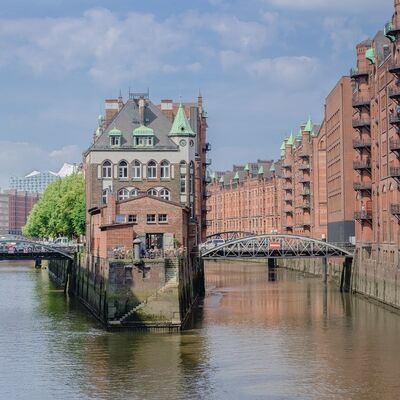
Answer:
[(104, 196), (165, 169), (161, 219), (136, 170), (132, 218), (123, 170), (152, 192), (134, 192), (150, 219), (106, 169), (164, 194), (115, 141), (123, 194), (152, 166)]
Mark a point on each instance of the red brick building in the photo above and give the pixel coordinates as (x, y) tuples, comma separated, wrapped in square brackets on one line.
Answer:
[(145, 150), (246, 199), (19, 206), (160, 224)]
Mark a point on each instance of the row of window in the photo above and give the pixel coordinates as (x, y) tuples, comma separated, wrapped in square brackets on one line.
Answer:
[(150, 218), (165, 169), (124, 194), (115, 141)]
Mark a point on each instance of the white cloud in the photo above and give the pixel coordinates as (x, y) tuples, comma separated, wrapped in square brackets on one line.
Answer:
[(110, 49), (287, 72), (340, 6), (343, 32), (20, 158)]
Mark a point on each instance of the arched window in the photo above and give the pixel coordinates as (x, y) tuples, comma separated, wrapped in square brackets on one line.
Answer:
[(123, 170), (165, 169), (151, 170), (136, 170), (104, 196), (134, 192), (165, 194), (152, 192), (123, 194), (106, 170)]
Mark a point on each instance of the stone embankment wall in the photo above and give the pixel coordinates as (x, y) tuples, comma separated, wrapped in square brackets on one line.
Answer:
[(314, 266), (376, 274), (154, 294)]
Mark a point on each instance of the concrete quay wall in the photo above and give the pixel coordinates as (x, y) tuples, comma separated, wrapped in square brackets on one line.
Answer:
[(154, 294), (376, 273)]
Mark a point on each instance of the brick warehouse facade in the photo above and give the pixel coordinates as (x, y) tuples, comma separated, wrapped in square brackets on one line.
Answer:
[(343, 179), (143, 149)]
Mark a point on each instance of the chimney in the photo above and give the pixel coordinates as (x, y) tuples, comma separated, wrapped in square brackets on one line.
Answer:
[(112, 109), (141, 110), (167, 108), (111, 209), (200, 102), (120, 102), (396, 16)]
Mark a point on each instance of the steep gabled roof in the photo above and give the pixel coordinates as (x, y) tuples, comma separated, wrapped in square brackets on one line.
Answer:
[(181, 126)]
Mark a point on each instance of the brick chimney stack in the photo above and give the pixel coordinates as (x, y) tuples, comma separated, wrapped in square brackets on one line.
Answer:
[(111, 209), (142, 106), (396, 16), (112, 108), (167, 108)]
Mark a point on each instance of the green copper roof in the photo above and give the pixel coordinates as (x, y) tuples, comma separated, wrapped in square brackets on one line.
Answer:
[(309, 126), (370, 55), (115, 132), (100, 119), (221, 180), (290, 141), (261, 170), (247, 168), (143, 131), (181, 126), (272, 168), (236, 175), (299, 135), (282, 146), (388, 31), (282, 153), (98, 131)]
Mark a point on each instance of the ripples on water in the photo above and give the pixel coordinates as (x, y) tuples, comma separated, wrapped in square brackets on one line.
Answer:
[(251, 339)]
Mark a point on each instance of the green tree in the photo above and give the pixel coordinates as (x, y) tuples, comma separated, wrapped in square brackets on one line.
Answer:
[(60, 210)]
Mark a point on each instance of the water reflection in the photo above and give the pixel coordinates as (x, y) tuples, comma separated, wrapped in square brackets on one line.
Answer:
[(255, 336)]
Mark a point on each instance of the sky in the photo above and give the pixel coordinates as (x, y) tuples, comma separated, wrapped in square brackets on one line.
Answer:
[(262, 66)]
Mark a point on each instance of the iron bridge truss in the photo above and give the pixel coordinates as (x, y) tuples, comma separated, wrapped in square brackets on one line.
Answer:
[(275, 246), (20, 248), (230, 235)]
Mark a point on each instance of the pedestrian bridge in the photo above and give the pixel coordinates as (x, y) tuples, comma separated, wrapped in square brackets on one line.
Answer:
[(275, 246), (20, 248)]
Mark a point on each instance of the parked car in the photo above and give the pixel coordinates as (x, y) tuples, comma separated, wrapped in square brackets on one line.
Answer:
[(211, 243)]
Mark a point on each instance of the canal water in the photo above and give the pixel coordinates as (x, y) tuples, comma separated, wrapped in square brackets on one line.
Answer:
[(255, 336)]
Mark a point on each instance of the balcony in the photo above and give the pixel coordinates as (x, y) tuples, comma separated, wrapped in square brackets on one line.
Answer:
[(361, 101), (394, 172), (288, 187), (391, 30), (288, 210), (358, 73), (287, 175), (362, 186), (304, 166), (359, 123), (304, 179), (362, 165), (394, 68), (207, 161), (288, 226), (394, 92), (288, 198), (304, 153), (394, 145), (362, 144), (306, 205), (207, 147), (394, 118), (306, 192), (395, 210), (363, 215)]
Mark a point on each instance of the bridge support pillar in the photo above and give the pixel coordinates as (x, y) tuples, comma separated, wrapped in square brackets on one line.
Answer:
[(38, 264), (325, 269), (272, 264), (346, 275)]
